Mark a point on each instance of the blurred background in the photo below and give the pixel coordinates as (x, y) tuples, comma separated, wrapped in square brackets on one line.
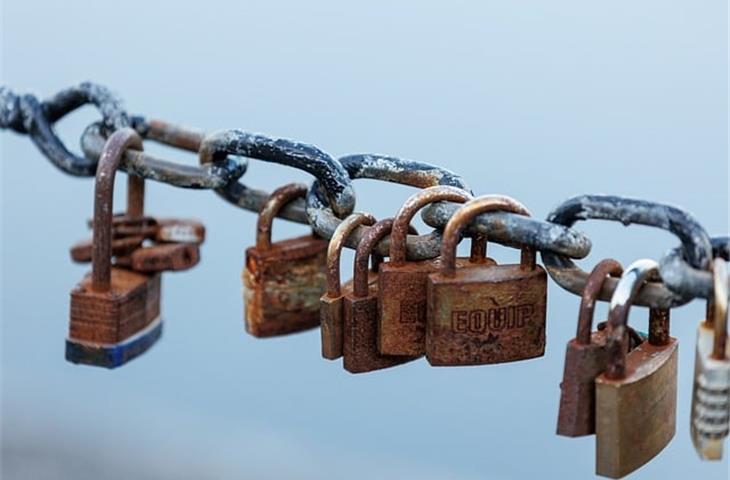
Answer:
[(537, 100)]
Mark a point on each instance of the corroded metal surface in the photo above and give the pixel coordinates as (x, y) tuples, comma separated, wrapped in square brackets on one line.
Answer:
[(585, 359), (489, 314), (360, 336), (685, 280), (695, 241), (331, 314), (170, 257), (283, 281), (402, 296), (333, 177), (111, 305)]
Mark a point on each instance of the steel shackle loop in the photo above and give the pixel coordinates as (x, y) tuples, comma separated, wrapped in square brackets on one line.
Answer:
[(694, 239), (276, 201), (596, 280), (26, 114), (101, 250), (464, 215), (209, 176), (408, 210), (631, 282), (685, 280), (334, 249), (387, 169), (337, 185), (719, 309), (364, 249)]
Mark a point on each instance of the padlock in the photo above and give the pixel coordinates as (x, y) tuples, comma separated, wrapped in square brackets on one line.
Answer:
[(402, 296), (81, 251), (636, 396), (283, 281), (115, 312), (485, 314), (585, 359), (331, 321), (165, 257), (360, 343), (710, 414)]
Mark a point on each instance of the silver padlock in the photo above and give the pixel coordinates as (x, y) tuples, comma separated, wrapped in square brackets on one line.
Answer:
[(710, 417)]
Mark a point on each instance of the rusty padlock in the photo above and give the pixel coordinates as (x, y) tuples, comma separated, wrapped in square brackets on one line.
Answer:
[(283, 281), (121, 246), (485, 314), (331, 315), (115, 312), (585, 359), (165, 257), (360, 335), (402, 296), (636, 396), (710, 414)]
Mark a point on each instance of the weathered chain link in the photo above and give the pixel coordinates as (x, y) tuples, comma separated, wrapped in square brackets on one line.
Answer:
[(331, 196)]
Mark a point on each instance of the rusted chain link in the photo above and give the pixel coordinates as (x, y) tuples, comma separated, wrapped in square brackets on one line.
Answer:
[(26, 114), (695, 242), (686, 280), (332, 197)]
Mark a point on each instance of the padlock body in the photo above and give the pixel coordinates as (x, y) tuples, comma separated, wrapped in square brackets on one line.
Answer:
[(175, 230), (486, 315), (282, 286), (81, 251), (165, 257), (360, 342), (110, 328), (636, 415), (583, 363), (332, 319), (402, 302), (710, 414)]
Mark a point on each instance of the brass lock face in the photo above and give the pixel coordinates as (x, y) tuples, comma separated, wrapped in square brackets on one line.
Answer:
[(402, 299), (360, 335), (485, 314), (636, 397), (115, 313), (585, 359), (710, 414), (283, 281)]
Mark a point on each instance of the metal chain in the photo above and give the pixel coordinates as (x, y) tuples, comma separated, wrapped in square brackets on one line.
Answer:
[(224, 160)]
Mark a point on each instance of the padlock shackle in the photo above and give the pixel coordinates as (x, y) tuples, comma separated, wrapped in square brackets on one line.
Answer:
[(402, 219), (101, 250), (364, 249), (334, 248), (719, 310), (631, 282), (135, 196), (276, 201), (596, 280), (465, 214)]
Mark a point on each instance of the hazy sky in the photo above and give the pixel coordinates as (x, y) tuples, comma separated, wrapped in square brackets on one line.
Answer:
[(537, 100)]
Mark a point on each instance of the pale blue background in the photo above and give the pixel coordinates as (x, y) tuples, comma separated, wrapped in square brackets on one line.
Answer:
[(534, 99)]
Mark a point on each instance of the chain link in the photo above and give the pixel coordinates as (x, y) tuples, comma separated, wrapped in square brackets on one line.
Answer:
[(224, 158)]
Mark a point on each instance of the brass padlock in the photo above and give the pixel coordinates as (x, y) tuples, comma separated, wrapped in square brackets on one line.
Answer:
[(485, 314), (710, 414), (331, 321), (115, 312), (585, 359), (402, 298), (360, 343), (636, 396), (283, 281)]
